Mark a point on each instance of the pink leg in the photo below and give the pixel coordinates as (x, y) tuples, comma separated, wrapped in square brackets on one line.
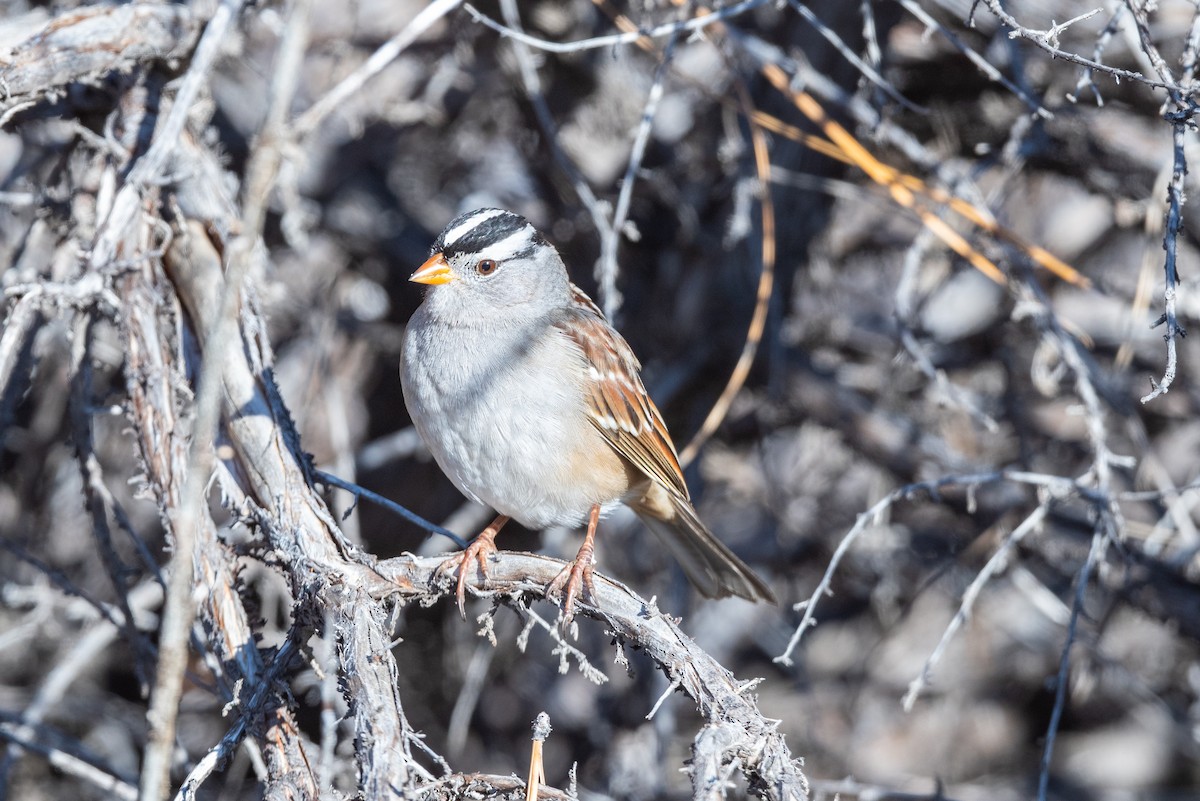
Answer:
[(479, 550), (579, 572)]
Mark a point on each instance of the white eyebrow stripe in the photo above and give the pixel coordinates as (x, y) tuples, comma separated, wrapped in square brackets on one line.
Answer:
[(468, 225), (510, 245)]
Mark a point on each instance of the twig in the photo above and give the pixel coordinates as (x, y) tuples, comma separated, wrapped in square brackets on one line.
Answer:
[(668, 29), (1174, 216), (247, 711), (1056, 485), (662, 698), (1042, 40), (59, 579), (1109, 523), (468, 698), (327, 674), (562, 649), (597, 209), (868, 71), (979, 61), (1086, 74), (149, 169), (16, 350), (178, 608), (24, 736), (994, 565), (905, 306), (390, 505), (1141, 25), (307, 122), (762, 295), (606, 266), (870, 33), (80, 657), (1099, 542), (537, 769)]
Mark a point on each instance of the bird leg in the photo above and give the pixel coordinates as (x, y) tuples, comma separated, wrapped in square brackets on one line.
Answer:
[(480, 549), (578, 572)]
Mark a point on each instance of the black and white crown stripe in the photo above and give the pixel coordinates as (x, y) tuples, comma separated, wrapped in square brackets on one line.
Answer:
[(493, 233)]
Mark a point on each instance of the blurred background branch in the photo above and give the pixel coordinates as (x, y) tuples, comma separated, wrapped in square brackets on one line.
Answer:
[(894, 264)]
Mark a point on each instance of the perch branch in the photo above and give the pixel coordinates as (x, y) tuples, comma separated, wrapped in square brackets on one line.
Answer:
[(754, 742)]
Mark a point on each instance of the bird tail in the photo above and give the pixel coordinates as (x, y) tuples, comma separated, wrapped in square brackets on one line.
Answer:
[(708, 563)]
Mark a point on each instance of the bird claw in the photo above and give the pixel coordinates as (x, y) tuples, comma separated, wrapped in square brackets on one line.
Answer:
[(568, 582), (481, 549)]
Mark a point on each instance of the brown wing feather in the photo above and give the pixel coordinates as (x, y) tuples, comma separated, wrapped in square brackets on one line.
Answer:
[(618, 404)]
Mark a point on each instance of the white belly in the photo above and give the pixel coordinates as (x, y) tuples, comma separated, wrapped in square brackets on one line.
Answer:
[(501, 435)]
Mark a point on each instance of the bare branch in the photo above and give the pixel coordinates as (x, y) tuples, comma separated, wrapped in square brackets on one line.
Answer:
[(307, 122), (696, 23), (1174, 217), (90, 43), (984, 66), (1100, 541), (606, 266), (749, 739), (24, 736), (995, 564), (1042, 40)]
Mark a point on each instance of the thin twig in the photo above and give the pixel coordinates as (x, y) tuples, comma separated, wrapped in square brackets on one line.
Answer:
[(762, 295), (668, 29), (24, 737), (468, 698), (1086, 79), (993, 566), (981, 63), (1057, 486), (598, 210), (1174, 221), (247, 711), (307, 122), (178, 608), (412, 517), (606, 266), (1099, 542), (1047, 40), (867, 70)]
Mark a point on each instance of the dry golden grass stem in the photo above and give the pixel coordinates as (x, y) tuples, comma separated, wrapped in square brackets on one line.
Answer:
[(537, 770), (762, 298), (766, 278), (908, 191), (840, 144), (905, 189)]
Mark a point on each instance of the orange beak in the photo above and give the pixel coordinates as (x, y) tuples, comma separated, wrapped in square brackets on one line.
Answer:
[(434, 271)]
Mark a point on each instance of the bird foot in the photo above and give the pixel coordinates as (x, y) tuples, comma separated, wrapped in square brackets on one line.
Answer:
[(480, 550), (569, 581)]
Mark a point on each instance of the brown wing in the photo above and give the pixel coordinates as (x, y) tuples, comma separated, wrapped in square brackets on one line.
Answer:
[(618, 405)]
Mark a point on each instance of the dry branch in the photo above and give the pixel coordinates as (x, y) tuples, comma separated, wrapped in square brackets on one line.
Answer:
[(270, 477), (267, 476), (88, 45), (747, 739), (152, 235)]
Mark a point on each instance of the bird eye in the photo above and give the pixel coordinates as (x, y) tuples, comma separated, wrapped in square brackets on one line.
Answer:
[(486, 266)]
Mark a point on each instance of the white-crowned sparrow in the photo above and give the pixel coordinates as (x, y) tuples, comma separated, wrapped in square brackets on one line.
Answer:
[(532, 404)]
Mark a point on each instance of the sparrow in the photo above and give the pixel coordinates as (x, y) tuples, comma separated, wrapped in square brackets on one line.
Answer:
[(532, 403)]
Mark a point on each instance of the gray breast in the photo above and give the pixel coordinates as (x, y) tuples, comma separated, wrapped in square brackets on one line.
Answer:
[(494, 411)]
